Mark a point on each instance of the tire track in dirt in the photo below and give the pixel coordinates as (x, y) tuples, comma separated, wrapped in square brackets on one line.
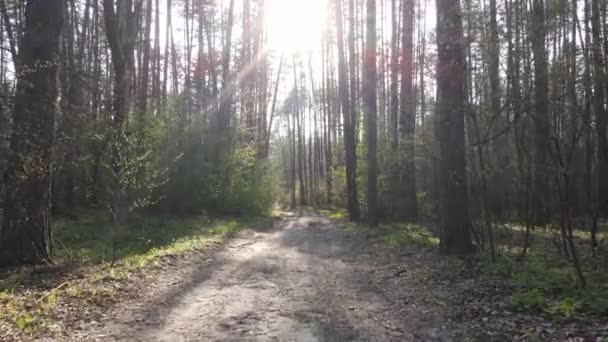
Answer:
[(301, 281)]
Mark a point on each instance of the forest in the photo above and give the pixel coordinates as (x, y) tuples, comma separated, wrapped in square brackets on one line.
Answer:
[(373, 170)]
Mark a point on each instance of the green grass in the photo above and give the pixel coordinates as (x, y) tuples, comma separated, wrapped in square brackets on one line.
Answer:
[(409, 235), (87, 243), (90, 239), (543, 283), (549, 286), (333, 214), (394, 234)]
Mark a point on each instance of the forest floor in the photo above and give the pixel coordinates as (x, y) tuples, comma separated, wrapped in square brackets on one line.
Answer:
[(304, 277)]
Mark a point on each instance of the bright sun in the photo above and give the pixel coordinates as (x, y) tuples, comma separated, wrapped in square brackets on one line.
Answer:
[(296, 25)]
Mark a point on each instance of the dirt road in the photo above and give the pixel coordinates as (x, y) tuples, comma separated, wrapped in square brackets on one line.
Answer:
[(302, 280)]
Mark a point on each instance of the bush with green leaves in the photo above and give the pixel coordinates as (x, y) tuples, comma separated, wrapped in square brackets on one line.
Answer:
[(338, 175), (551, 287), (239, 184), (243, 185)]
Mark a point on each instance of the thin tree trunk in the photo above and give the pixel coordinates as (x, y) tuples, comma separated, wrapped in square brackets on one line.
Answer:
[(298, 127), (273, 107), (168, 35), (371, 111), (145, 71), (349, 131)]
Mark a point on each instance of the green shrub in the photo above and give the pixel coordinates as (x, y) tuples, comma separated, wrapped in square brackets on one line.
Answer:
[(250, 186), (426, 207), (551, 287), (567, 307), (410, 235), (529, 300), (339, 189), (240, 184), (334, 214)]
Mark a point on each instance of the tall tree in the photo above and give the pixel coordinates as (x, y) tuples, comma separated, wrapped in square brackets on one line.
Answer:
[(353, 62), (500, 144), (298, 127), (248, 61), (26, 235), (394, 103), (327, 110), (451, 108), (348, 124), (393, 118), (142, 102), (599, 105), (370, 107), (407, 117), (542, 128), (168, 35), (121, 32), (220, 122)]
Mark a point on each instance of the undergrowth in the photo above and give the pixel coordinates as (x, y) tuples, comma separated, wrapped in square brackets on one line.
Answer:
[(408, 235), (393, 233), (542, 283), (91, 239), (93, 269), (549, 286)]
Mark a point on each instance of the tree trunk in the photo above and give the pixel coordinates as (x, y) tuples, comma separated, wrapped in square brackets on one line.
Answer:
[(601, 116), (298, 127), (145, 71), (371, 111), (326, 94), (26, 232), (247, 89), (168, 35), (349, 131), (121, 33), (541, 117), (407, 118), (451, 107), (268, 129), (393, 119), (352, 63), (219, 136)]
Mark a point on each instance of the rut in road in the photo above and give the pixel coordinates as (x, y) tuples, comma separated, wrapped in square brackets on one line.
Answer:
[(300, 281)]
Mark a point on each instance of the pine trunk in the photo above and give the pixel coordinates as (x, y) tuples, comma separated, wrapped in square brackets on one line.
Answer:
[(451, 108), (371, 110)]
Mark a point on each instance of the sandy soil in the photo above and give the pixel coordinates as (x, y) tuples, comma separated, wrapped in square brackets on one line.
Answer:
[(305, 278), (302, 280)]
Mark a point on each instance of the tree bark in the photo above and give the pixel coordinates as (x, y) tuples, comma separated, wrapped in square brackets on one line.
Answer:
[(220, 125), (451, 107), (541, 118), (349, 131), (407, 118), (371, 111), (145, 71), (26, 235), (298, 127), (121, 32), (601, 116)]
